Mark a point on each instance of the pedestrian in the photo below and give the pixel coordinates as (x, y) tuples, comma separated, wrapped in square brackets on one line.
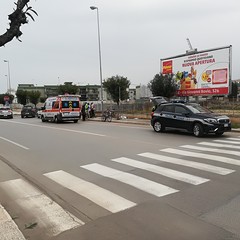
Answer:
[(83, 112), (87, 106), (92, 110)]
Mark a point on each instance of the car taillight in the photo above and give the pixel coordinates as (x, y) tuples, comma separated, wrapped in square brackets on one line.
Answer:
[(152, 114)]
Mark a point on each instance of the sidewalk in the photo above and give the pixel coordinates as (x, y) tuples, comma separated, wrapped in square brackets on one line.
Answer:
[(126, 120), (139, 121)]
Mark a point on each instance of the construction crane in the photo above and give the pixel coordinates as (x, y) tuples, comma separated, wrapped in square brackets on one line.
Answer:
[(189, 44), (191, 49)]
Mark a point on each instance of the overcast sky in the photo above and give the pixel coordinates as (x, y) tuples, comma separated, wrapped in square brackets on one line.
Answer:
[(62, 44)]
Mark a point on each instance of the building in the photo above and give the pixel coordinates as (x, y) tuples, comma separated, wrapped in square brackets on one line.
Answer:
[(143, 92), (88, 92)]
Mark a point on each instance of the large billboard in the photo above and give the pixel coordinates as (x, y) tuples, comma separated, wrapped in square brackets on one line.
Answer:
[(200, 73)]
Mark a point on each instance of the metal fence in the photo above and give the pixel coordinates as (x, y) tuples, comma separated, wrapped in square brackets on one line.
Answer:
[(145, 108)]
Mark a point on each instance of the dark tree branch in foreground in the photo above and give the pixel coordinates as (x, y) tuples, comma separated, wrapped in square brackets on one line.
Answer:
[(17, 19)]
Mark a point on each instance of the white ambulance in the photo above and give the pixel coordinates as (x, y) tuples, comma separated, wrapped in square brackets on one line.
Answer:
[(61, 108)]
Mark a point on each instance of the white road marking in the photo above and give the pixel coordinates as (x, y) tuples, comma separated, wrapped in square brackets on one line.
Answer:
[(196, 165), (219, 145), (8, 228), (47, 213), (104, 198), (180, 176), (130, 179), (56, 128), (236, 153), (226, 141), (237, 139), (17, 144), (202, 155)]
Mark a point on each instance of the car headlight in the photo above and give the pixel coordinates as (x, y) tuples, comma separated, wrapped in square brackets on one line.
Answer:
[(210, 120)]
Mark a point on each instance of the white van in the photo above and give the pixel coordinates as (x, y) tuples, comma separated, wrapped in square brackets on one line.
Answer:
[(61, 108)]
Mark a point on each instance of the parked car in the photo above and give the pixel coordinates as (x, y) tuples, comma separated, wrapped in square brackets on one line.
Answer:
[(28, 111), (6, 112), (189, 116), (39, 112)]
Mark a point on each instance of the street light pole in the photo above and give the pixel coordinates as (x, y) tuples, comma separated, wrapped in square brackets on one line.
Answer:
[(100, 58), (9, 81)]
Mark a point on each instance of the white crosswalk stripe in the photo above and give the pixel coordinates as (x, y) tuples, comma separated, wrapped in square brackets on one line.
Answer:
[(220, 145), (235, 139), (48, 214), (227, 141), (8, 228), (104, 198), (236, 153), (180, 176), (202, 155), (141, 183), (186, 163)]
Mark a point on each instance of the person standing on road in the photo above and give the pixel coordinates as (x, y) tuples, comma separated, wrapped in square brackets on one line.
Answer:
[(87, 107), (83, 110), (92, 110)]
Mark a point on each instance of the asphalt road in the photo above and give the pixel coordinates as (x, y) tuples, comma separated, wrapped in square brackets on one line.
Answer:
[(96, 180)]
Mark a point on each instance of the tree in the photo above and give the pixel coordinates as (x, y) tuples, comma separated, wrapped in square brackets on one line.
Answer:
[(42, 99), (234, 91), (2, 96), (22, 96), (17, 18), (34, 97), (68, 88), (163, 85), (117, 87)]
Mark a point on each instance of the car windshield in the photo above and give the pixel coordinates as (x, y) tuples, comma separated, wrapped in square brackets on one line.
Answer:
[(198, 109)]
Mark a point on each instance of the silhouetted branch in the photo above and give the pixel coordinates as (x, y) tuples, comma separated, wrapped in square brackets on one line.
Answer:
[(17, 19)]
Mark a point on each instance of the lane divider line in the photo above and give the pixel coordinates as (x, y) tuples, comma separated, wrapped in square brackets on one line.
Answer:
[(17, 144)]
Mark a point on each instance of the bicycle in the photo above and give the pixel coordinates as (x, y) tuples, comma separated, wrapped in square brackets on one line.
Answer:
[(107, 116)]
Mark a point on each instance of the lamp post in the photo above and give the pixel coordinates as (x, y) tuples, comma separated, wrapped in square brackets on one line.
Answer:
[(100, 59), (9, 81)]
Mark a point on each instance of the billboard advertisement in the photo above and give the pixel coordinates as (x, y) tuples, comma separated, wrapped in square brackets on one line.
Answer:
[(200, 73)]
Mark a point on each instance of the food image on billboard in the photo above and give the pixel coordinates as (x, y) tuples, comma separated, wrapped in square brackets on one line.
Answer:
[(219, 76), (200, 73), (167, 67)]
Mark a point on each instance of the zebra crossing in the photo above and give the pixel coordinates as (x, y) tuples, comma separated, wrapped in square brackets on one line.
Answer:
[(101, 196), (37, 207)]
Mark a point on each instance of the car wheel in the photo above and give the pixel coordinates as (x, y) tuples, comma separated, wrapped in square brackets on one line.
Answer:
[(158, 126), (75, 121), (22, 116), (103, 119), (198, 130)]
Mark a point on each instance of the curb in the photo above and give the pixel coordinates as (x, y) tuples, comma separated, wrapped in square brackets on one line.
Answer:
[(140, 122)]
